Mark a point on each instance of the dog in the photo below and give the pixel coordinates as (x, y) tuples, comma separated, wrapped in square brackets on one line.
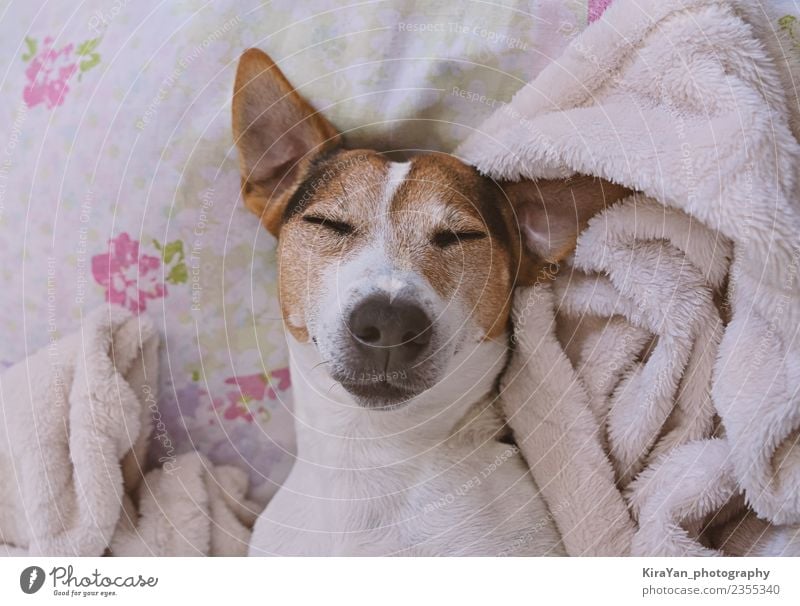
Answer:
[(395, 281)]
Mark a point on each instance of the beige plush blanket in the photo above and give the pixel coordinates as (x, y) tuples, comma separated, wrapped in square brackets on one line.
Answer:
[(76, 420), (655, 384)]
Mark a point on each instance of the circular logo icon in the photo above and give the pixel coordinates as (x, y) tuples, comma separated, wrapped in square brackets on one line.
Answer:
[(31, 579)]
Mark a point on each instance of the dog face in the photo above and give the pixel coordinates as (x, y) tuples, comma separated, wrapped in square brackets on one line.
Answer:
[(393, 270)]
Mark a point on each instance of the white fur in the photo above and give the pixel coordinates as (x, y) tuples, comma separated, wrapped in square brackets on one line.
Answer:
[(427, 478), (403, 482)]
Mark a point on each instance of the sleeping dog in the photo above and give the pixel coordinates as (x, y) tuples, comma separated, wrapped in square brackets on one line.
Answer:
[(395, 283)]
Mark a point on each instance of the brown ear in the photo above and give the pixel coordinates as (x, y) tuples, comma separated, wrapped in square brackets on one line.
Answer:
[(277, 133), (550, 214)]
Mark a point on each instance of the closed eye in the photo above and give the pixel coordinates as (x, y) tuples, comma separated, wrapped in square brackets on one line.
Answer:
[(340, 227), (446, 238)]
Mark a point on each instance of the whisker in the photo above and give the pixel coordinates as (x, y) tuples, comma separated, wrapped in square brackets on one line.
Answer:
[(320, 364)]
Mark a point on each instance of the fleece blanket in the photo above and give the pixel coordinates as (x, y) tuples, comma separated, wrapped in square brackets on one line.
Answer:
[(119, 181), (76, 420), (654, 387)]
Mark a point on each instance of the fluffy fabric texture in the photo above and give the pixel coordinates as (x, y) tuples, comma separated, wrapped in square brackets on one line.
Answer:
[(655, 384), (77, 417)]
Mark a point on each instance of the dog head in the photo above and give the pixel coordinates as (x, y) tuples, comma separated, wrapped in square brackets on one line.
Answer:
[(395, 271)]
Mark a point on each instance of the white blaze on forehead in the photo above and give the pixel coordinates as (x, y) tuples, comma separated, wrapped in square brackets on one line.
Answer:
[(398, 171)]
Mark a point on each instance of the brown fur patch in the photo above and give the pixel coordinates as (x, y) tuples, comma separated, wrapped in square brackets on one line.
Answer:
[(277, 132), (344, 188), (441, 194)]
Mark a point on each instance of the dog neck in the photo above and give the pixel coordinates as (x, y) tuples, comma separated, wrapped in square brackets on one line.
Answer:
[(335, 431)]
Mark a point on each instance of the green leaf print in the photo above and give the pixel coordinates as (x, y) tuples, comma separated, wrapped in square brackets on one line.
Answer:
[(32, 47), (88, 64), (788, 24), (172, 249), (178, 274), (87, 49)]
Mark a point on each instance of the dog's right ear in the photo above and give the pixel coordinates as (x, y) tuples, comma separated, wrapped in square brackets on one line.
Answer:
[(550, 214), (277, 133)]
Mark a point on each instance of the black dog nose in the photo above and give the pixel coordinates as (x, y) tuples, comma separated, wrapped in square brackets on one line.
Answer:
[(389, 332)]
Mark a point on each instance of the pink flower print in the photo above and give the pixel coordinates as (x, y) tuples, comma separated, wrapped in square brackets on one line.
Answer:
[(597, 8), (248, 400), (283, 379), (252, 387), (237, 407), (234, 406), (48, 74), (130, 279)]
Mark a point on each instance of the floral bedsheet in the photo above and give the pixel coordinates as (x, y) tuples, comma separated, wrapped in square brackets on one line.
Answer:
[(119, 184)]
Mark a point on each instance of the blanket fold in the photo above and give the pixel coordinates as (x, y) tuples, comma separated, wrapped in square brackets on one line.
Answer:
[(673, 328), (77, 416)]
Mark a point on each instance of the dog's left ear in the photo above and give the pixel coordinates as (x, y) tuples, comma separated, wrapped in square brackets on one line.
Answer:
[(549, 214), (277, 133)]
